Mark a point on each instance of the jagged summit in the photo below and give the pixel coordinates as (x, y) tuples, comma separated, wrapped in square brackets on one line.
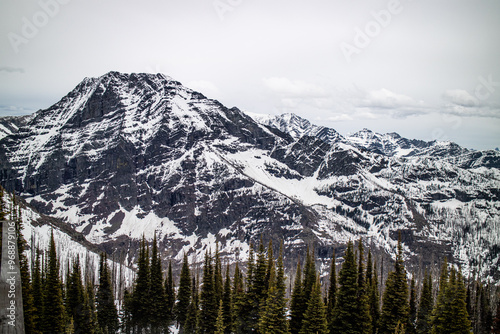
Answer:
[(127, 155), (298, 127)]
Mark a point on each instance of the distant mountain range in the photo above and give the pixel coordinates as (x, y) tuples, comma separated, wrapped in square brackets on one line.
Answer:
[(129, 155)]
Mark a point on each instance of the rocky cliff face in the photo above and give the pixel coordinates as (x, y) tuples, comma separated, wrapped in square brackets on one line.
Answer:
[(127, 155)]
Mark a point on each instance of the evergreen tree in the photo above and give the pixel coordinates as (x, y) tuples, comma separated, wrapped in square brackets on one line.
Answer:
[(126, 315), (461, 322), (412, 321), (363, 321), (89, 317), (485, 313), (440, 313), (425, 306), (346, 306), (332, 291), (496, 321), (257, 290), (170, 294), (296, 304), (53, 312), (315, 316), (373, 293), (220, 328), (192, 317), (227, 304), (107, 315), (158, 313), (244, 301), (273, 316), (38, 292), (141, 294), (208, 302), (75, 297), (309, 276), (259, 278), (29, 309), (270, 263), (395, 300), (450, 314), (184, 293), (218, 286)]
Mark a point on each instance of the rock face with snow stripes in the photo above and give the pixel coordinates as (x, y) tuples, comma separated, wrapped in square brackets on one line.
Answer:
[(126, 155)]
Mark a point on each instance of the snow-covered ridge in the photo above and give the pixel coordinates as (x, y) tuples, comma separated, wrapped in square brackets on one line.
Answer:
[(130, 155)]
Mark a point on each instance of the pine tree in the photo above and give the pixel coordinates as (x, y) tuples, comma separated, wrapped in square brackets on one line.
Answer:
[(296, 304), (126, 316), (440, 313), (363, 321), (309, 275), (220, 328), (270, 263), (75, 297), (315, 316), (208, 302), (170, 294), (158, 313), (496, 321), (412, 321), (346, 306), (107, 315), (273, 316), (425, 306), (218, 286), (141, 293), (485, 313), (244, 301), (184, 293), (450, 314), (257, 294), (373, 293), (54, 312), (227, 304), (89, 323), (395, 307), (192, 317), (37, 292), (259, 278), (240, 298), (461, 322), (29, 309), (332, 291)]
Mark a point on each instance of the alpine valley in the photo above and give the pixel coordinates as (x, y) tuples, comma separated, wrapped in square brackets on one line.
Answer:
[(124, 156)]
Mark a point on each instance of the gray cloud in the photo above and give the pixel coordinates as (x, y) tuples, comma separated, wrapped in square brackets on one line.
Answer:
[(460, 97), (10, 69)]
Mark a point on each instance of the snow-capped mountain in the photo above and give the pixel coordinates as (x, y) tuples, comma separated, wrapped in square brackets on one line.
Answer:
[(298, 127), (127, 155)]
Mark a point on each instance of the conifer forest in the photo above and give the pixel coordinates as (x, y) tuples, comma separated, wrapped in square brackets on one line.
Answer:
[(252, 297)]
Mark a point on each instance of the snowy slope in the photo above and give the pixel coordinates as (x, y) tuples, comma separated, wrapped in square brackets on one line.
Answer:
[(129, 155), (37, 231)]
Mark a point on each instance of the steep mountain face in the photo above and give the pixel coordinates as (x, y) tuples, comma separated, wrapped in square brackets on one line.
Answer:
[(127, 155)]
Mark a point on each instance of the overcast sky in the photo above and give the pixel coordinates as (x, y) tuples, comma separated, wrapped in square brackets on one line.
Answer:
[(425, 69)]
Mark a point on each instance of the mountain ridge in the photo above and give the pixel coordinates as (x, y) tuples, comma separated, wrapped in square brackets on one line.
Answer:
[(126, 155)]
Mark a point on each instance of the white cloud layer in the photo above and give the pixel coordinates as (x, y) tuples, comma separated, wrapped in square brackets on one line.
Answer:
[(400, 72)]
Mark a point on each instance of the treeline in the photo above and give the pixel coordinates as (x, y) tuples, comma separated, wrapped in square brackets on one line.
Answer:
[(220, 299), (52, 305)]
